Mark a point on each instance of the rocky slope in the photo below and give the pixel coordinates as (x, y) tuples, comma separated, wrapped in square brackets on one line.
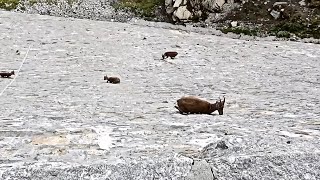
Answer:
[(291, 19), (60, 120), (294, 19)]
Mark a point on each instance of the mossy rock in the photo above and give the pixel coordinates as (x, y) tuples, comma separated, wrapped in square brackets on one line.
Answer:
[(283, 34)]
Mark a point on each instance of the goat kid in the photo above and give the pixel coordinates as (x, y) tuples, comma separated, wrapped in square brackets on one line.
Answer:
[(171, 54), (113, 80), (6, 74)]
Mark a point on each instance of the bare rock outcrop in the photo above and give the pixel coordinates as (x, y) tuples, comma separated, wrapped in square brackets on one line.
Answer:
[(187, 10)]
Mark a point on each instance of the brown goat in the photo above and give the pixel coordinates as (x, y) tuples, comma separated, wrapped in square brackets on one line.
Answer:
[(113, 80), (194, 105), (171, 54), (6, 74)]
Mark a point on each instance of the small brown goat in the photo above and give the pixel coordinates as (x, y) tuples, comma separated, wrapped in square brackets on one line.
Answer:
[(6, 74), (171, 54), (113, 80), (194, 105)]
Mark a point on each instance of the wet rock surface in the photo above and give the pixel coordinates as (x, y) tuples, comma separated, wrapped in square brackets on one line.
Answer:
[(60, 117)]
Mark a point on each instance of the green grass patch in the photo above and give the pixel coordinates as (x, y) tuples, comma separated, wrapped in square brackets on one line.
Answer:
[(240, 30), (12, 4), (8, 4), (143, 8), (302, 30)]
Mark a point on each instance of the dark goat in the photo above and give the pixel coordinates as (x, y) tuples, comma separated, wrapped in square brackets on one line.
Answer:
[(171, 54), (113, 80), (6, 74), (194, 105)]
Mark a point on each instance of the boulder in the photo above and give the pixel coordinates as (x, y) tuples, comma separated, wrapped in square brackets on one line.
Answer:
[(234, 24), (182, 13), (168, 3), (213, 5), (275, 14), (169, 8), (302, 3), (200, 170), (184, 2), (219, 2), (214, 17), (280, 4), (177, 3)]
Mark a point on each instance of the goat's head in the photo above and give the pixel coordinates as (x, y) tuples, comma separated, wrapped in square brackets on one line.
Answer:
[(12, 72), (105, 77), (220, 105)]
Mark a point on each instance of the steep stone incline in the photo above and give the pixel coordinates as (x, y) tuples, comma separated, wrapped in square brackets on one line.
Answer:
[(60, 120)]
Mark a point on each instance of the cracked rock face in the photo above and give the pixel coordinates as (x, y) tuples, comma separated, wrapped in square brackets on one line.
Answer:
[(61, 120)]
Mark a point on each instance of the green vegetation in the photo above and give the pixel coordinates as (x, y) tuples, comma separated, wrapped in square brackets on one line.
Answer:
[(240, 30), (294, 20), (32, 2), (51, 2), (302, 29), (281, 30), (12, 4), (8, 4), (281, 34), (143, 8)]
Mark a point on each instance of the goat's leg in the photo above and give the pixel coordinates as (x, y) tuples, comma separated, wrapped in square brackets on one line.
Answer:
[(181, 112)]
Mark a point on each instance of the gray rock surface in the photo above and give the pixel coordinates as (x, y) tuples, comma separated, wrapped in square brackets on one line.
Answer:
[(169, 167), (177, 3), (60, 120), (200, 170)]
